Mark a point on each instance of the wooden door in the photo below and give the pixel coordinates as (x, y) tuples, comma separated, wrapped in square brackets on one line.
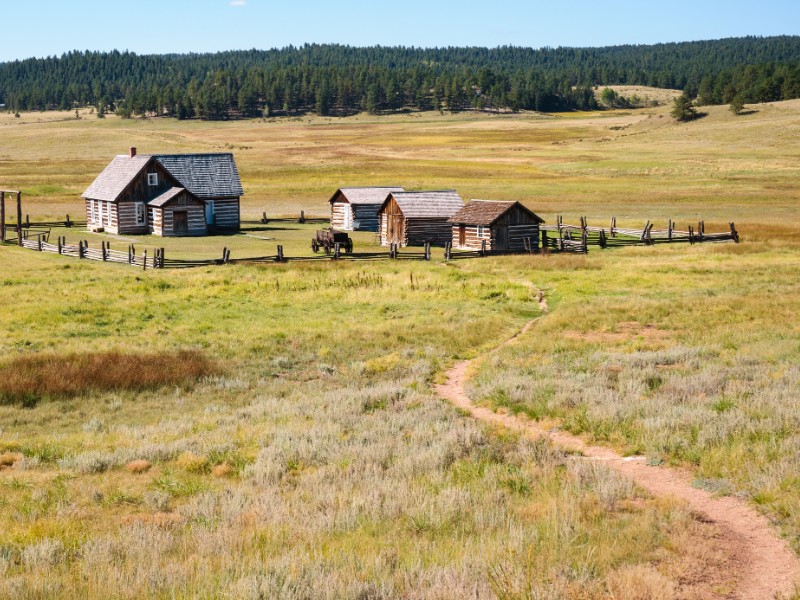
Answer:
[(500, 234), (180, 222), (462, 235)]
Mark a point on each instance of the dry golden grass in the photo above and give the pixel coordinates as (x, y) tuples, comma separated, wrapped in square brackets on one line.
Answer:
[(30, 378)]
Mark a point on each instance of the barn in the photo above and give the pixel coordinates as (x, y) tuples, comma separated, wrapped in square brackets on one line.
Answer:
[(503, 225), (130, 193), (413, 218), (356, 208)]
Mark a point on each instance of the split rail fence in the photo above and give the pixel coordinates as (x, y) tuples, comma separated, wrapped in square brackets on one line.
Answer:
[(563, 237), (555, 238)]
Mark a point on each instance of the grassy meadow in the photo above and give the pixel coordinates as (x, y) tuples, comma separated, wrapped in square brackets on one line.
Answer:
[(311, 458)]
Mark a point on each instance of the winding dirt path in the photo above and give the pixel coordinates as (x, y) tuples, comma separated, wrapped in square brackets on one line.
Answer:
[(758, 563)]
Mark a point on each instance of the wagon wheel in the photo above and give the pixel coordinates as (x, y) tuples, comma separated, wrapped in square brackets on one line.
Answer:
[(315, 246)]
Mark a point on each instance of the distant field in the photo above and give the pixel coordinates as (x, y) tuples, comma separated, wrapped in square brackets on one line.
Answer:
[(312, 458)]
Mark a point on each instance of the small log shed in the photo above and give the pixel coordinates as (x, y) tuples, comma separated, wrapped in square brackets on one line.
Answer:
[(356, 208), (503, 225), (177, 212), (414, 218)]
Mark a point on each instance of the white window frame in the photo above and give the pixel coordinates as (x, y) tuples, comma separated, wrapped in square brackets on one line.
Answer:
[(152, 179), (92, 212), (481, 231), (140, 212)]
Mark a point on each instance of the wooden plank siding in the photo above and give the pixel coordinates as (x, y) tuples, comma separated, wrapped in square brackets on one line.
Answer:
[(339, 212), (366, 216), (162, 220), (226, 213), (503, 225)]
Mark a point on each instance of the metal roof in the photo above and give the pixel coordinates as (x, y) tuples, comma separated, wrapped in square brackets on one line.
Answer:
[(486, 212), (366, 195), (113, 180), (205, 175), (431, 204)]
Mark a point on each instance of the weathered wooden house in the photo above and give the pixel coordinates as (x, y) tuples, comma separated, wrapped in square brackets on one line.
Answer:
[(356, 208), (503, 225), (165, 194), (413, 218)]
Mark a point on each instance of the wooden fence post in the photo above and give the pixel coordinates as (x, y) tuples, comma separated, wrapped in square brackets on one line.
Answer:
[(2, 217), (483, 247), (603, 241), (144, 261), (161, 259), (734, 233), (302, 216), (39, 240), (264, 218), (447, 249), (644, 231), (68, 223), (224, 255), (27, 221), (336, 250), (669, 230), (691, 235), (279, 258), (103, 250), (59, 244), (19, 218)]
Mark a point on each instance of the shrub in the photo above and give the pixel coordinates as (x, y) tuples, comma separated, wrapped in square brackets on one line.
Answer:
[(28, 379)]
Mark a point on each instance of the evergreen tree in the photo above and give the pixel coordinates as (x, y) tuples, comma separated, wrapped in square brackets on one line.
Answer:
[(683, 108)]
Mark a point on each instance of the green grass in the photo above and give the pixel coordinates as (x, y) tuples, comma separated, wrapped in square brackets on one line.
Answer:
[(346, 474)]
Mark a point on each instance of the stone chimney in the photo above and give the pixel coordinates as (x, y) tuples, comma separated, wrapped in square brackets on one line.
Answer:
[(133, 151)]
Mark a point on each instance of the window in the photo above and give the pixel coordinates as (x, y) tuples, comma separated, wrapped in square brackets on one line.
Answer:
[(152, 179), (140, 214), (91, 211), (481, 231)]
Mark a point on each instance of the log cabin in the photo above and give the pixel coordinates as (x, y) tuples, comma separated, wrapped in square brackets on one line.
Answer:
[(414, 218), (164, 194), (356, 208), (503, 225)]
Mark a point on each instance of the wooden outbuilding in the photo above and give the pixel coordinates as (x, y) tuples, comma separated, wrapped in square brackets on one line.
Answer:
[(503, 225), (177, 212), (118, 201), (414, 218), (356, 208)]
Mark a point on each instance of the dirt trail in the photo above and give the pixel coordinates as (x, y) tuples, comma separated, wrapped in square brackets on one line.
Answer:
[(759, 563)]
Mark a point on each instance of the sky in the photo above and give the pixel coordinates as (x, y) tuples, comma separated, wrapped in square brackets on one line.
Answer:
[(50, 27)]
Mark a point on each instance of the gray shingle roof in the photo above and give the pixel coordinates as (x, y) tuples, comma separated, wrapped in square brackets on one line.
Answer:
[(434, 204), (161, 200), (205, 175), (486, 212), (113, 180), (366, 195)]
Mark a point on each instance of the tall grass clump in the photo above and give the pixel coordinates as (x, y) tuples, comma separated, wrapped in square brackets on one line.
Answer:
[(28, 379)]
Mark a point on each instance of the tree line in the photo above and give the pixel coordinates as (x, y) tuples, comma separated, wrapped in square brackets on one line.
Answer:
[(337, 79)]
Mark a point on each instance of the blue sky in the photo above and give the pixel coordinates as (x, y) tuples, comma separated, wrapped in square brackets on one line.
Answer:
[(48, 27)]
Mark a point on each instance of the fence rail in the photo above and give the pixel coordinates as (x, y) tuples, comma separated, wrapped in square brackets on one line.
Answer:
[(554, 238), (564, 237)]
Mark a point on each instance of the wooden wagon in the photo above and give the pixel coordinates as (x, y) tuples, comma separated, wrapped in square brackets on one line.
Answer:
[(328, 238)]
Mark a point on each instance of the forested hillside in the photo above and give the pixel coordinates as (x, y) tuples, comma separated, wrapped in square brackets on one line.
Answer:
[(334, 79)]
